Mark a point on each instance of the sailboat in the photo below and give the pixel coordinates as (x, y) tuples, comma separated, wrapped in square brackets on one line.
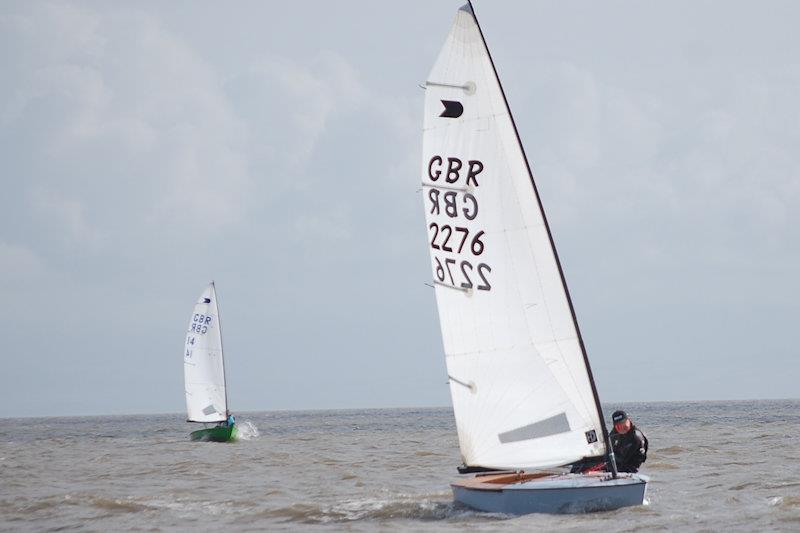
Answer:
[(522, 389), (204, 372)]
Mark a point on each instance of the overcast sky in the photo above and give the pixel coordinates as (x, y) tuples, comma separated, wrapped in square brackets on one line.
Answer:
[(149, 147)]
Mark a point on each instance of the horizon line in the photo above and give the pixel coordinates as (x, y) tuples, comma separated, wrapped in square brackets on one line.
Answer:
[(384, 408)]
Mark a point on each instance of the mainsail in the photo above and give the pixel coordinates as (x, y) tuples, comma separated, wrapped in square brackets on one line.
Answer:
[(203, 367), (521, 386)]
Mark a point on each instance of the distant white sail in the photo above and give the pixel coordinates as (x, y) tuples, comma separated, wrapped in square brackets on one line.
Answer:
[(520, 387), (204, 370)]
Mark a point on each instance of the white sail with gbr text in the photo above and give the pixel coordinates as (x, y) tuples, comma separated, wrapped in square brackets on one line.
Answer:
[(204, 370), (520, 384)]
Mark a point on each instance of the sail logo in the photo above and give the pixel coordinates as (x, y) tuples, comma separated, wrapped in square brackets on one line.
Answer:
[(452, 195), (452, 109)]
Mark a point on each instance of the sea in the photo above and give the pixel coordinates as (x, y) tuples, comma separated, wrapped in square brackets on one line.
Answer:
[(714, 466)]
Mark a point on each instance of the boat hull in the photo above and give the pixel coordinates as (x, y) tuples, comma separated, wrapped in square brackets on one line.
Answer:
[(215, 434), (550, 493)]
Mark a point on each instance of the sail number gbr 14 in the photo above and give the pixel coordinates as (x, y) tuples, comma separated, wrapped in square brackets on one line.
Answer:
[(456, 239)]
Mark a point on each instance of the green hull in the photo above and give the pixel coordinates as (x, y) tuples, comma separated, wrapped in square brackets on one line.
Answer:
[(216, 434)]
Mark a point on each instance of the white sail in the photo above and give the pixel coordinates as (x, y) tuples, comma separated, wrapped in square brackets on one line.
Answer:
[(203, 368), (520, 385)]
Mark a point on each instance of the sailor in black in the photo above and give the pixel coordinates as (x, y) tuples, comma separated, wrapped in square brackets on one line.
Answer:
[(629, 443)]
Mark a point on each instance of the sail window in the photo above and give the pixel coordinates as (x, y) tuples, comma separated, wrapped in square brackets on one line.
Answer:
[(543, 428)]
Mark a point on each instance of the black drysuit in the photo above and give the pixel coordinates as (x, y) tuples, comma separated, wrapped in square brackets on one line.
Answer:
[(630, 449)]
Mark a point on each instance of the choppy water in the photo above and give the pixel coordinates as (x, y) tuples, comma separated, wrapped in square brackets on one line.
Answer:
[(731, 466)]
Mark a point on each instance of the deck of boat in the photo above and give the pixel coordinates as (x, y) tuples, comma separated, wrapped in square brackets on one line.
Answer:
[(499, 480)]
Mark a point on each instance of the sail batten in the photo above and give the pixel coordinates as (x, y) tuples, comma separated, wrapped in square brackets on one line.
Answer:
[(519, 380), (204, 371)]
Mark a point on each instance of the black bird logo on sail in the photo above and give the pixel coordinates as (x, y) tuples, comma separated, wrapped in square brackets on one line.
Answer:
[(206, 300), (452, 109)]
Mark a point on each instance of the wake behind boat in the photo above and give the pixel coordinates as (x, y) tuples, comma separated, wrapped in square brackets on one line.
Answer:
[(204, 372), (522, 389)]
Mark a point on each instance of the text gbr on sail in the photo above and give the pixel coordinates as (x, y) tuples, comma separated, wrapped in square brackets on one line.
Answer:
[(200, 323), (451, 173)]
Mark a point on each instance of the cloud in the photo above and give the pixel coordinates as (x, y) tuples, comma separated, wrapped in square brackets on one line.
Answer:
[(696, 171), (289, 105), (130, 124), (19, 263), (307, 122), (67, 217), (126, 129), (336, 225)]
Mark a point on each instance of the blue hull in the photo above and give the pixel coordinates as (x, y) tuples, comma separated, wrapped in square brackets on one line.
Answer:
[(556, 494)]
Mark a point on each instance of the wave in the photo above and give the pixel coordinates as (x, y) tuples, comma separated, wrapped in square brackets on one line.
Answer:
[(672, 450), (785, 502), (114, 505), (182, 506), (248, 430), (661, 465), (745, 485), (426, 508), (118, 505), (782, 485), (191, 508)]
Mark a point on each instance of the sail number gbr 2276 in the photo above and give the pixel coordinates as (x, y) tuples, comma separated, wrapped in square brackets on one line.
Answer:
[(456, 243)]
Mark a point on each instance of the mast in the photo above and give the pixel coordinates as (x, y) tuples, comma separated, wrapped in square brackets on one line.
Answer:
[(221, 350), (609, 449)]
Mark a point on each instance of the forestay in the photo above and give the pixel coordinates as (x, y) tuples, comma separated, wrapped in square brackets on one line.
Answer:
[(520, 386), (204, 371)]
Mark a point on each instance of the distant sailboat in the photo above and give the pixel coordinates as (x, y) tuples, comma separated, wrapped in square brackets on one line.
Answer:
[(522, 390), (204, 372)]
